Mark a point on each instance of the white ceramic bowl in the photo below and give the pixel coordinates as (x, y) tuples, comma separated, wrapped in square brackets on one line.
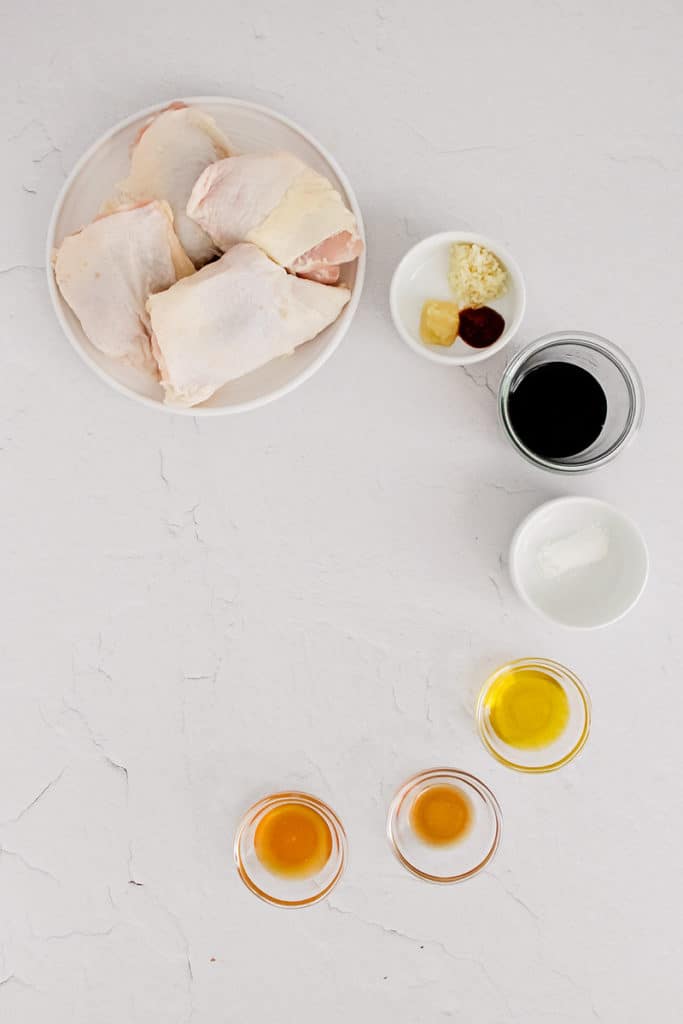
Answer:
[(423, 274), (251, 128), (579, 562)]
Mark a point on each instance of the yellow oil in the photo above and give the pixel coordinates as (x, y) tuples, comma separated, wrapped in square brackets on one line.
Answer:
[(527, 708), (293, 841)]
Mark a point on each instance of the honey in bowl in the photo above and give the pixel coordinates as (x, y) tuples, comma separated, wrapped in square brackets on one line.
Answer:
[(441, 814), (293, 841), (527, 708)]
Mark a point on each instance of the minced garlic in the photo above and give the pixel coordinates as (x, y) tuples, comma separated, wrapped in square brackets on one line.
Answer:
[(475, 274)]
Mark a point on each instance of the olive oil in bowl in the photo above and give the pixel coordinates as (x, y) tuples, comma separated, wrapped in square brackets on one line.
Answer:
[(533, 715), (528, 708)]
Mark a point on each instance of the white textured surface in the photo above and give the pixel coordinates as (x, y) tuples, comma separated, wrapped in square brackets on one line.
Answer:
[(196, 613)]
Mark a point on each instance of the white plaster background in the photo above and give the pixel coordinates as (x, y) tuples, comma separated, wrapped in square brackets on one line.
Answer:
[(195, 613)]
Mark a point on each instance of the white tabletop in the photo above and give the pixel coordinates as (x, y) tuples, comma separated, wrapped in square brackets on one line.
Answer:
[(197, 613)]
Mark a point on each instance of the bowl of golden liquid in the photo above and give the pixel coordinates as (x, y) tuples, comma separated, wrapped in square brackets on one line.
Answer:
[(444, 825), (290, 849), (533, 715)]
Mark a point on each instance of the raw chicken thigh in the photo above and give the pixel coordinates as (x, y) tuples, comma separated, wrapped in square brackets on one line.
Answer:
[(107, 271), (169, 155), (232, 317), (286, 208)]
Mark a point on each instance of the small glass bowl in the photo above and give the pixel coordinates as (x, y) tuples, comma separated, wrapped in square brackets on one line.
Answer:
[(282, 891), (555, 754), (613, 370), (459, 860)]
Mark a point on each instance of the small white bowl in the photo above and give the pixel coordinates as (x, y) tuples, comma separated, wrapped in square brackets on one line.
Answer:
[(423, 274), (250, 128), (579, 562)]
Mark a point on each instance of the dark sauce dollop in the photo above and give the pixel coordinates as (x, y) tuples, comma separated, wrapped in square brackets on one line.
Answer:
[(557, 410), (480, 327)]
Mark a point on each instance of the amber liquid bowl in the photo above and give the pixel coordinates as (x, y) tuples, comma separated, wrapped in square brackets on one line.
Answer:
[(456, 861), (280, 890)]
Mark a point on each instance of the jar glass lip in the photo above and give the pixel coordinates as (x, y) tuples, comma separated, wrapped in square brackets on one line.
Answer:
[(607, 349)]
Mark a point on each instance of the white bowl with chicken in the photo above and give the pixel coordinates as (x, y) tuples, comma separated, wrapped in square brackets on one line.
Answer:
[(226, 309)]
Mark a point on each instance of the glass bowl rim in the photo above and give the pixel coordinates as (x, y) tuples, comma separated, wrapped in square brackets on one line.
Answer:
[(554, 668), (267, 803), (606, 348), (404, 791)]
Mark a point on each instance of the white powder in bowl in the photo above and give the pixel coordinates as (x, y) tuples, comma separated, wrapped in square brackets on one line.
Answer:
[(577, 550)]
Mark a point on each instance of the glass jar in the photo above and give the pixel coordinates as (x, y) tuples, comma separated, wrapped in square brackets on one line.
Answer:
[(615, 373)]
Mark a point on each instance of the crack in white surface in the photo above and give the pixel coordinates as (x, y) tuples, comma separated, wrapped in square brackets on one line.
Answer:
[(162, 469), (36, 800), (4, 852), (186, 954), (457, 150), (78, 933), (195, 524), (132, 556), (210, 677), (119, 768), (17, 980), (48, 152), (22, 131), (427, 699), (103, 672), (480, 382), (29, 124), (21, 266), (132, 880), (515, 897), (643, 158), (578, 988), (398, 707), (316, 767), (98, 744), (410, 229), (197, 677), (190, 518), (381, 25), (511, 490), (422, 943), (190, 988), (52, 145), (496, 587), (98, 666)]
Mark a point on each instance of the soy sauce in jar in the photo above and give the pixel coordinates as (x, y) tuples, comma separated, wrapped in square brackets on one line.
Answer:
[(557, 410)]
